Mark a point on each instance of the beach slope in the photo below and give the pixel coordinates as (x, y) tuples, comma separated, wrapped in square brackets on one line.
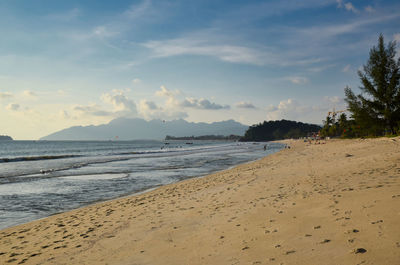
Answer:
[(333, 203)]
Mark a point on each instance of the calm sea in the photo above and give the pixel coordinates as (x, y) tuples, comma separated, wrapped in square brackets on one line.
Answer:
[(41, 178)]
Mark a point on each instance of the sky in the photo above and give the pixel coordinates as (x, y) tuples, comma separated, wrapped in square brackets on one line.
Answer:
[(70, 63)]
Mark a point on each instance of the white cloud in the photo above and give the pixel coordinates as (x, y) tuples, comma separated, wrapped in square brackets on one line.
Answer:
[(90, 110), (61, 92), (118, 105), (164, 92), (287, 109), (272, 108), (334, 100), (170, 95), (120, 102), (346, 69), (396, 37), (369, 9), (149, 105), (321, 68), (63, 114), (298, 80), (5, 95), (219, 44), (293, 109), (173, 105), (193, 46), (103, 32), (29, 93), (245, 105), (350, 7), (252, 11), (138, 10), (332, 31), (149, 110), (13, 107), (202, 104), (136, 81)]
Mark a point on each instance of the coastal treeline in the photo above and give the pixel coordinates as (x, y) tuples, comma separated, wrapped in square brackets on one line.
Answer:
[(205, 137), (335, 126), (278, 130), (376, 110), (5, 138)]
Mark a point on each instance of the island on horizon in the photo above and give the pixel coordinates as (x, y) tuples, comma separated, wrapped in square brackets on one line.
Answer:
[(6, 138)]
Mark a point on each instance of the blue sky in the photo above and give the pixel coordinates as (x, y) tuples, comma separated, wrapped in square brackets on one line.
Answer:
[(67, 63)]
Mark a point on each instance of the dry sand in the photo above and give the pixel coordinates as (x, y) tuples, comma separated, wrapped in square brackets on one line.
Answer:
[(334, 203)]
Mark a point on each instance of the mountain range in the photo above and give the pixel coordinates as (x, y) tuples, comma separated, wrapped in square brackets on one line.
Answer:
[(136, 128)]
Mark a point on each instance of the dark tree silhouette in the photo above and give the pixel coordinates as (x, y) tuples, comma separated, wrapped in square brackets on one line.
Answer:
[(277, 130), (377, 109)]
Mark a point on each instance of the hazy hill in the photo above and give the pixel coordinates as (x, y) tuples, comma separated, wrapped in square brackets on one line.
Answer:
[(277, 130), (133, 129), (5, 138)]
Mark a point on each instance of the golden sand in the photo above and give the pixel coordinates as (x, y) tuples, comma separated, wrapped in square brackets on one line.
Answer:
[(333, 203)]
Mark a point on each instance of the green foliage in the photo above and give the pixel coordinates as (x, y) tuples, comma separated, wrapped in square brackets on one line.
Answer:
[(5, 138), (277, 130), (341, 127), (376, 111)]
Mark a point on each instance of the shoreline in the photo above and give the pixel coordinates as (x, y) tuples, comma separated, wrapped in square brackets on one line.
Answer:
[(302, 205), (136, 193)]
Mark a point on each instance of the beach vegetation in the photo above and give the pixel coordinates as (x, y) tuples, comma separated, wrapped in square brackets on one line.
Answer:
[(339, 127), (278, 130), (5, 138), (376, 111)]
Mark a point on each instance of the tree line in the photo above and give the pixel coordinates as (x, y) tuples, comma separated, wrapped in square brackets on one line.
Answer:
[(278, 130), (373, 112), (376, 110)]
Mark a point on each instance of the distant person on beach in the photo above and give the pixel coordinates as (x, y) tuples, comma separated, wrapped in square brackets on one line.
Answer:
[(265, 147)]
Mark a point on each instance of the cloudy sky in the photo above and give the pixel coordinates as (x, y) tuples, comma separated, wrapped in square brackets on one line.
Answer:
[(66, 63)]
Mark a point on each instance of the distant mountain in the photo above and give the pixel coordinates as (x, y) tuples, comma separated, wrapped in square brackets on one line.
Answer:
[(5, 138), (133, 129)]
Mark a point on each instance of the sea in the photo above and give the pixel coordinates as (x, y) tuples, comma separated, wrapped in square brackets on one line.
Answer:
[(42, 178)]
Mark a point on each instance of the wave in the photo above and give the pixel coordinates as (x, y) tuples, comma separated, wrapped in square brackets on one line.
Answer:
[(48, 166), (35, 158)]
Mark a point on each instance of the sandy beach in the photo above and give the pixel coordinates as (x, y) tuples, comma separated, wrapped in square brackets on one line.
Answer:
[(332, 203)]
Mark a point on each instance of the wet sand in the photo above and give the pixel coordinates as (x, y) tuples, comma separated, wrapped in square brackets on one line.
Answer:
[(333, 203)]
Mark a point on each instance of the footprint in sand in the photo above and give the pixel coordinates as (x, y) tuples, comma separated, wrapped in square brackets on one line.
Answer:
[(360, 250), (23, 261), (325, 241)]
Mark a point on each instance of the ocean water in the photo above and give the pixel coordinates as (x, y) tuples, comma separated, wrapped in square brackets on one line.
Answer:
[(41, 178)]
